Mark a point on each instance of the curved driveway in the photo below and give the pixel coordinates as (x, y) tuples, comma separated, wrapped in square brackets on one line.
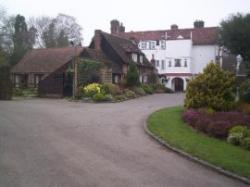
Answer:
[(56, 143)]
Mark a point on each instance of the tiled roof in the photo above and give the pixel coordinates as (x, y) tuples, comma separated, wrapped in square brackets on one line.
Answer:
[(123, 47), (45, 60), (96, 55), (200, 36)]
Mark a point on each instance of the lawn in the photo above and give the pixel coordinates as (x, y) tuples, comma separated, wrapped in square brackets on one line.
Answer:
[(168, 125)]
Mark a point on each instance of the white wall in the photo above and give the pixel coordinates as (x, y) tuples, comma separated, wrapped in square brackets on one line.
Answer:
[(180, 49), (201, 56)]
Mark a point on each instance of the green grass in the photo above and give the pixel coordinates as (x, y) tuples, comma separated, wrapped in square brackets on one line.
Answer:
[(168, 125)]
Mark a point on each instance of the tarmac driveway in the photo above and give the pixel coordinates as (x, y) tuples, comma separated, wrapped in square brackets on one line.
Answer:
[(56, 143)]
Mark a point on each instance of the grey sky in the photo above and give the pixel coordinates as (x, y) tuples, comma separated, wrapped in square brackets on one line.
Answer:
[(135, 14)]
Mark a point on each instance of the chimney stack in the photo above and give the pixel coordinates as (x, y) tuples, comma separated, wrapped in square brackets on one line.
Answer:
[(199, 24), (116, 27), (174, 26), (97, 39)]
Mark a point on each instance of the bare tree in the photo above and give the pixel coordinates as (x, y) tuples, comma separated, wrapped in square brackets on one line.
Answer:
[(40, 24)]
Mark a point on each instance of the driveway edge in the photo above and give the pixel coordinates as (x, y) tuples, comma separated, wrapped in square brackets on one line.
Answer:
[(193, 158)]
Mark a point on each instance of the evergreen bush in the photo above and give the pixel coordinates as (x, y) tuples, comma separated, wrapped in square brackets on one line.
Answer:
[(132, 78), (213, 88), (5, 82)]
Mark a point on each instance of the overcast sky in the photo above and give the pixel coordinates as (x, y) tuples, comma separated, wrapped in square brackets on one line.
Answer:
[(135, 14)]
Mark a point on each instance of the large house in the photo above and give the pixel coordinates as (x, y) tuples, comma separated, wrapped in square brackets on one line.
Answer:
[(178, 54), (48, 69)]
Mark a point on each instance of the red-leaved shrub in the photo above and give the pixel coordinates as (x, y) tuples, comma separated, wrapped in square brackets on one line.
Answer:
[(216, 124)]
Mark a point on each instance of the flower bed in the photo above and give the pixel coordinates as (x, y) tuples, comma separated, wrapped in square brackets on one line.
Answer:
[(215, 124), (108, 92)]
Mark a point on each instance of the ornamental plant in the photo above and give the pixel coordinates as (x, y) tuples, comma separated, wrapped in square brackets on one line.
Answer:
[(212, 89), (132, 77), (92, 89)]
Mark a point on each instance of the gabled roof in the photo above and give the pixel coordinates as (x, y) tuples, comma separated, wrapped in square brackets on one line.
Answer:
[(123, 47), (45, 60), (200, 36), (96, 55)]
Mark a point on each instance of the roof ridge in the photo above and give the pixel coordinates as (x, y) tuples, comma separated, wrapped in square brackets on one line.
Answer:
[(181, 29)]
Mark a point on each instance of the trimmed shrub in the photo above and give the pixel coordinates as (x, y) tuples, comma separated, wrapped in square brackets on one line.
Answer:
[(246, 143), (139, 91), (239, 129), (213, 88), (91, 89), (148, 89), (160, 88), (234, 138), (98, 97), (132, 78), (112, 89), (244, 91), (130, 94), (120, 97), (217, 124), (5, 83)]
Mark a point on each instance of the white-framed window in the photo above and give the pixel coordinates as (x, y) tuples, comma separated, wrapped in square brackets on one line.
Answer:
[(185, 62), (163, 44), (134, 57), (177, 62), (157, 63), (143, 45), (169, 63), (141, 58), (152, 45), (163, 64)]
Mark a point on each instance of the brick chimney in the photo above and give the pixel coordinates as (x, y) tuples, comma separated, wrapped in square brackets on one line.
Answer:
[(116, 27), (174, 26), (199, 24), (97, 39)]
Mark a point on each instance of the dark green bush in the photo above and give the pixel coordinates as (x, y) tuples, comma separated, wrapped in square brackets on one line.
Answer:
[(120, 97), (130, 94), (139, 91), (244, 91), (101, 97), (112, 89), (160, 88), (148, 89), (5, 83), (132, 78), (246, 143), (213, 88)]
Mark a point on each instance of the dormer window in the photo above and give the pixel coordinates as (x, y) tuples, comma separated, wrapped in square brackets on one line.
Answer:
[(152, 45), (134, 57)]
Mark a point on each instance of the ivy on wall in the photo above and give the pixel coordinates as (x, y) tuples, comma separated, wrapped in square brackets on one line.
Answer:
[(89, 71)]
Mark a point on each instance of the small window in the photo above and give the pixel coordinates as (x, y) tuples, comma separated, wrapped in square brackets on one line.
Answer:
[(163, 64), (185, 62), (163, 44), (157, 63), (169, 63), (152, 45), (134, 57), (177, 62), (141, 59), (143, 45), (157, 42)]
